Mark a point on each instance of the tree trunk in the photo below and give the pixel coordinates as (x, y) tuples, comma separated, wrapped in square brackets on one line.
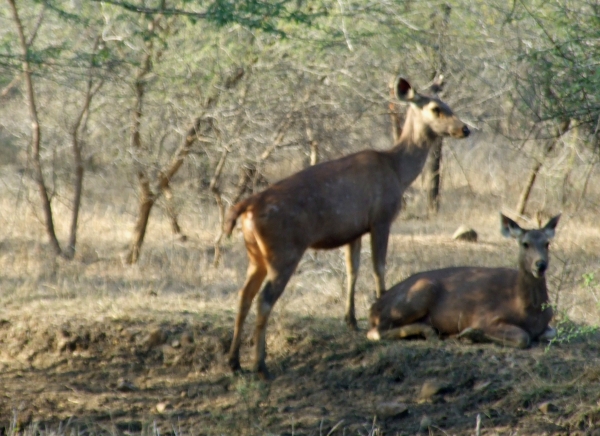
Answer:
[(549, 145), (35, 135), (396, 116), (146, 200), (440, 26), (145, 206), (433, 170), (172, 213), (524, 197), (215, 189), (77, 159), (313, 144)]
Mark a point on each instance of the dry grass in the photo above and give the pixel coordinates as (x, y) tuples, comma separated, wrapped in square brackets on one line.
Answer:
[(176, 284)]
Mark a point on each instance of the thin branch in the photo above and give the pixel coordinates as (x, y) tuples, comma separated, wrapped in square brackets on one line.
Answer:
[(152, 11)]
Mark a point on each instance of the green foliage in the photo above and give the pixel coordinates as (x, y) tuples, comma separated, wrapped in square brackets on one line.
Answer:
[(562, 64), (256, 14), (569, 331)]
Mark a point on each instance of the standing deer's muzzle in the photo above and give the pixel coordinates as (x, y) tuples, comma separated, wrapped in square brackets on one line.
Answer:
[(460, 131)]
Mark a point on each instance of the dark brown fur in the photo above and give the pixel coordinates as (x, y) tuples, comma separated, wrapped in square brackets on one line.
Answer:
[(502, 305), (329, 205)]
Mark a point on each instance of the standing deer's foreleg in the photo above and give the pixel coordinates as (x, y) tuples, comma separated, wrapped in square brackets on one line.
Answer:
[(254, 278), (276, 281), (507, 335), (352, 265), (379, 243)]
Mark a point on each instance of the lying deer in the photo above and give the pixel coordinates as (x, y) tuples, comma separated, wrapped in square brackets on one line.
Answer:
[(329, 205), (502, 305)]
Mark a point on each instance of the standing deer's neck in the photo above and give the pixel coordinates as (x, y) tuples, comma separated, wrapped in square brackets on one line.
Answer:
[(531, 290), (410, 152)]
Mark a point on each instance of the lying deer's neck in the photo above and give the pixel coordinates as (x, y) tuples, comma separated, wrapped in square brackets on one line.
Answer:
[(532, 291)]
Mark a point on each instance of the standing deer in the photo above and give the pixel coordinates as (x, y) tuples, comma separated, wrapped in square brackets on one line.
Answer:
[(329, 205), (502, 305)]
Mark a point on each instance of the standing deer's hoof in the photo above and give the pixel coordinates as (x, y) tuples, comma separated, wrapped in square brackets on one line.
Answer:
[(351, 322), (263, 372), (234, 364)]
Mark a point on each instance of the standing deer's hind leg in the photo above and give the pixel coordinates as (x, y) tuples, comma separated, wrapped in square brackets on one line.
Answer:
[(379, 243), (352, 265), (254, 278), (277, 279)]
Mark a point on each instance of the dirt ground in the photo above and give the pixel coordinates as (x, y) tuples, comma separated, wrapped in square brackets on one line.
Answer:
[(131, 377)]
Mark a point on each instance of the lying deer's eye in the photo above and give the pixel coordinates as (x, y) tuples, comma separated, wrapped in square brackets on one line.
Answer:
[(525, 245), (437, 111)]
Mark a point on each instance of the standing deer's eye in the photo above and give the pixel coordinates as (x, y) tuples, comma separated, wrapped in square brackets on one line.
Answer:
[(436, 111), (526, 245)]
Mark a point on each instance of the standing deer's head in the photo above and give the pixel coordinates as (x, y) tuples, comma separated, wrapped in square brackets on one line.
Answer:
[(433, 114), (533, 244)]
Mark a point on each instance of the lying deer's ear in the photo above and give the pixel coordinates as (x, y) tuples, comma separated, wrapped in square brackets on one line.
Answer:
[(404, 92), (550, 226), (509, 228)]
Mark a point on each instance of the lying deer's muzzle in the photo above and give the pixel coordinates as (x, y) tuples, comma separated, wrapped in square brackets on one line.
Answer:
[(540, 268)]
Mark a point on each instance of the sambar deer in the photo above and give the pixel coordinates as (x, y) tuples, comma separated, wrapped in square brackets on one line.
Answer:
[(329, 205), (502, 305)]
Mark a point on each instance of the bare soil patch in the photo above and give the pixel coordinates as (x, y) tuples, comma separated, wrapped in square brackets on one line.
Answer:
[(122, 376)]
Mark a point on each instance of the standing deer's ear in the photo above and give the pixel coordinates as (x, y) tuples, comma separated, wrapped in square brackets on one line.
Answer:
[(509, 228), (550, 226), (404, 92)]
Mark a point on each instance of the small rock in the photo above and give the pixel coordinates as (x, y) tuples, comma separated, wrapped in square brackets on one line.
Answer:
[(429, 389), (481, 385), (162, 407), (129, 334), (65, 341), (391, 409), (155, 338), (175, 344), (547, 407), (425, 422), (187, 338), (464, 233), (124, 385)]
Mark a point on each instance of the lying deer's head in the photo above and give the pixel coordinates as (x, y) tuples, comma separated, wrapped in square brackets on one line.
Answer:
[(434, 113), (533, 244)]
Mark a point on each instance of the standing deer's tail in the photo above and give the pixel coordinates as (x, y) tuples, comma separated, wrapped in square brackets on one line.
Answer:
[(232, 215)]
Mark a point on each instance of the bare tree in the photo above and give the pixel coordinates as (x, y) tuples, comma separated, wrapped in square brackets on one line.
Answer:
[(152, 187), (547, 147), (76, 146), (439, 26), (35, 133)]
